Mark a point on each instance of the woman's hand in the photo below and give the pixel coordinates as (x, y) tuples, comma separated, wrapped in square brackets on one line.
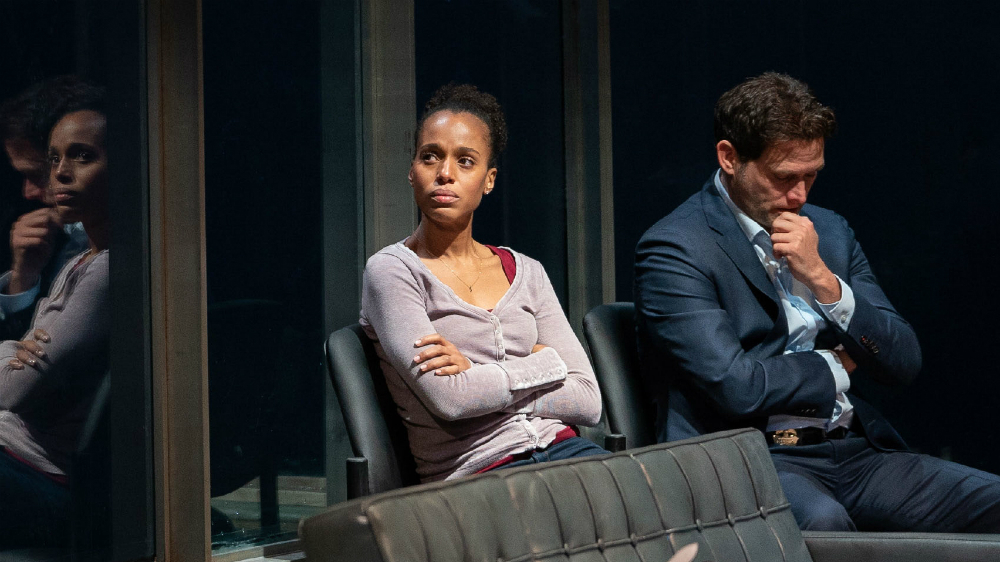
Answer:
[(441, 357), (30, 351)]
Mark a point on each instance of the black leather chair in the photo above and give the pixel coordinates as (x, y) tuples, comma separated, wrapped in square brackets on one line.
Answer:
[(377, 434), (610, 333), (718, 490)]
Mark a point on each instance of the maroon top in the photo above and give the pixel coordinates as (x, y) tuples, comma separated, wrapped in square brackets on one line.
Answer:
[(510, 269), (506, 261)]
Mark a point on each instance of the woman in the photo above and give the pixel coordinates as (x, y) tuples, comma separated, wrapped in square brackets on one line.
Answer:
[(48, 380), (479, 357)]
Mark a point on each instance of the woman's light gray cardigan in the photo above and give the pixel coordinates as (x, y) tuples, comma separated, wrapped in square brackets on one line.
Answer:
[(511, 400), (43, 407)]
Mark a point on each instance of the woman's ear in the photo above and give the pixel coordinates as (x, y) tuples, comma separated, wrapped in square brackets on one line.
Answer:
[(491, 178)]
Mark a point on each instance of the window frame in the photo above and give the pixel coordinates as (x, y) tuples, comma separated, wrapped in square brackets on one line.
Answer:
[(384, 111)]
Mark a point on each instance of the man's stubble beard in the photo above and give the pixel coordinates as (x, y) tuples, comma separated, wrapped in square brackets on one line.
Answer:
[(742, 194)]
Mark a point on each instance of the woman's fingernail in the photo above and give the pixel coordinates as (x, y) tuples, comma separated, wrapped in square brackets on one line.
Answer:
[(416, 342), (416, 359)]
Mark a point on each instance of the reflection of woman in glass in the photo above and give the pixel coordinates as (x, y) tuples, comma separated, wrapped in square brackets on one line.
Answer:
[(47, 381), (479, 357)]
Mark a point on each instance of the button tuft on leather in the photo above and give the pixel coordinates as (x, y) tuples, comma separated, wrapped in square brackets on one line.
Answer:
[(566, 548), (732, 520), (697, 523), (634, 539), (600, 545), (763, 512)]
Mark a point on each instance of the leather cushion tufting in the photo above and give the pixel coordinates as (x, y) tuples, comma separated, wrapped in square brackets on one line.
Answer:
[(719, 490)]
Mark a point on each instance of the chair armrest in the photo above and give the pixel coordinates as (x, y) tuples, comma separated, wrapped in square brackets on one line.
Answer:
[(901, 547), (615, 442), (357, 478)]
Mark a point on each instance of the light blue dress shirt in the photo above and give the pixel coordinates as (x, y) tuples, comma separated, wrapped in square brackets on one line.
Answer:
[(10, 304), (804, 322)]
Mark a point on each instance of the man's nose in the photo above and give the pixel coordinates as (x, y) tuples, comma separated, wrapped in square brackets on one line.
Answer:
[(33, 190), (798, 193)]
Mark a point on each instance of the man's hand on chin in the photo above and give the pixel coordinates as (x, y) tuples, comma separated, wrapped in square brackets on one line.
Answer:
[(31, 242), (795, 239)]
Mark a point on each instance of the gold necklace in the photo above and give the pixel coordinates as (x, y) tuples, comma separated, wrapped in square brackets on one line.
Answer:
[(479, 270)]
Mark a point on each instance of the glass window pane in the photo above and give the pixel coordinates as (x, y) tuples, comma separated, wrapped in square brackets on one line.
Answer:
[(265, 162), (73, 174)]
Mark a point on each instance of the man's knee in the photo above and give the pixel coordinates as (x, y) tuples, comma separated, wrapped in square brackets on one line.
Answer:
[(813, 506), (822, 515)]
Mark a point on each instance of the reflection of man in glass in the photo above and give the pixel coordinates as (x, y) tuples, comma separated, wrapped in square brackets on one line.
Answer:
[(47, 381), (40, 243)]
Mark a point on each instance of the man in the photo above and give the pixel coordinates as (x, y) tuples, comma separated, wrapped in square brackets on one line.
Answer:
[(756, 309), (39, 243)]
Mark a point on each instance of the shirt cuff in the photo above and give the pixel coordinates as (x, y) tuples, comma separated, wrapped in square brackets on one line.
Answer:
[(10, 304), (840, 376), (543, 368), (840, 312)]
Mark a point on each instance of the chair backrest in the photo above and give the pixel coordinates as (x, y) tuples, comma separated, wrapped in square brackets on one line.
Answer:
[(610, 333), (719, 490), (373, 424)]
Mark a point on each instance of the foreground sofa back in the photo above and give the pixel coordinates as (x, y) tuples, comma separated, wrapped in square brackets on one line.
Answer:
[(718, 490)]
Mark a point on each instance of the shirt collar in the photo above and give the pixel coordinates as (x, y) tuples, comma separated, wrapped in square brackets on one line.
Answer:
[(749, 226), (73, 227)]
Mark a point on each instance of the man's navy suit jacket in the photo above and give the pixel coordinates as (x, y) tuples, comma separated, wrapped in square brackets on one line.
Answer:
[(712, 331)]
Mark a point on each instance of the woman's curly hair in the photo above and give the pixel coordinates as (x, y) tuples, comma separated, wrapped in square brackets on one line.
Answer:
[(467, 98)]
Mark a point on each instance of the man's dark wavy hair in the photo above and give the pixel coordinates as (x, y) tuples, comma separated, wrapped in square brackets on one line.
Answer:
[(467, 98), (31, 115), (769, 109)]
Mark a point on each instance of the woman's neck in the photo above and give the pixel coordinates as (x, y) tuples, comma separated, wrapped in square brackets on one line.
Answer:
[(97, 235), (434, 241)]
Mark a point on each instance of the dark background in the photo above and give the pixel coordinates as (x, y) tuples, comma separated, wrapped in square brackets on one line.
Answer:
[(513, 50), (263, 222), (913, 167)]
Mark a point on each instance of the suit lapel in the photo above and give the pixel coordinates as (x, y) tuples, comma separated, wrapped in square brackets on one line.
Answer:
[(733, 241)]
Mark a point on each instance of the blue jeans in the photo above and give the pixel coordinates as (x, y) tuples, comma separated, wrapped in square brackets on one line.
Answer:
[(34, 510), (846, 484), (568, 449)]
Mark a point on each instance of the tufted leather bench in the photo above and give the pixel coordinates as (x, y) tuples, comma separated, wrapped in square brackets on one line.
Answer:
[(719, 490), (641, 504)]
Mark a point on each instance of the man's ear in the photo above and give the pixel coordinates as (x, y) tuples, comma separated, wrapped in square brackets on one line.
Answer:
[(726, 153)]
